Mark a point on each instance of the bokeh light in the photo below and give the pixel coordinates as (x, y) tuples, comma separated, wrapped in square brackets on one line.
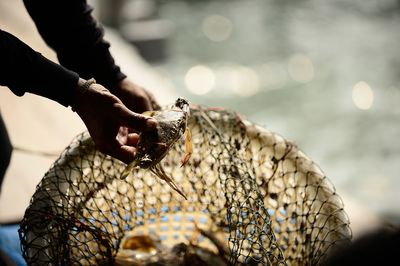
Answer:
[(200, 79), (246, 83), (301, 68), (363, 96), (238, 79), (217, 28), (273, 75)]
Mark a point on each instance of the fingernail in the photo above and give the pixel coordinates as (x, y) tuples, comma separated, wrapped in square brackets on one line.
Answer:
[(151, 122)]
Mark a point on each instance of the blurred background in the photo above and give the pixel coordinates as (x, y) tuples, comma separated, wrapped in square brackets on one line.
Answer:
[(324, 74)]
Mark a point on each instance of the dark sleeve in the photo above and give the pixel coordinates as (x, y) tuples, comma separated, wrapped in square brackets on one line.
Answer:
[(24, 70), (68, 27)]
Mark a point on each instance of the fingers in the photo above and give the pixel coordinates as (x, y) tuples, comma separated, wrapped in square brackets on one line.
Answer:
[(124, 146), (127, 118), (152, 99), (135, 97), (111, 123), (135, 121), (124, 153), (132, 139)]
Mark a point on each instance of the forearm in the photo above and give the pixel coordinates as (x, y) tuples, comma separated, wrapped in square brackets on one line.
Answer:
[(68, 27), (24, 70)]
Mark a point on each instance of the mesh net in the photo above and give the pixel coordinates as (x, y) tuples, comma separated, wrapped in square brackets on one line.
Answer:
[(253, 198)]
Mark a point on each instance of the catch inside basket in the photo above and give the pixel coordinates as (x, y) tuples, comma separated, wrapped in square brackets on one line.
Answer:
[(253, 197)]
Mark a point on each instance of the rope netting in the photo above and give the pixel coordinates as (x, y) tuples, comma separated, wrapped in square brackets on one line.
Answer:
[(253, 198)]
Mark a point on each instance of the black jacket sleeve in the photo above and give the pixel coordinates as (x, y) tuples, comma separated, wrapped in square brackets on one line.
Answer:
[(24, 70), (68, 27)]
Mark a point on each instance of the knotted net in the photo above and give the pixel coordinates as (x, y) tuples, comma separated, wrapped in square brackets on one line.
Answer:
[(256, 195)]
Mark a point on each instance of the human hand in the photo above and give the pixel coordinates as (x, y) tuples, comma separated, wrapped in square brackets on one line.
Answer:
[(135, 97), (112, 126)]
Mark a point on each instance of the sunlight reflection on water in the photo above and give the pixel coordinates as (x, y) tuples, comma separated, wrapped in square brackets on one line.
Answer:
[(322, 73)]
